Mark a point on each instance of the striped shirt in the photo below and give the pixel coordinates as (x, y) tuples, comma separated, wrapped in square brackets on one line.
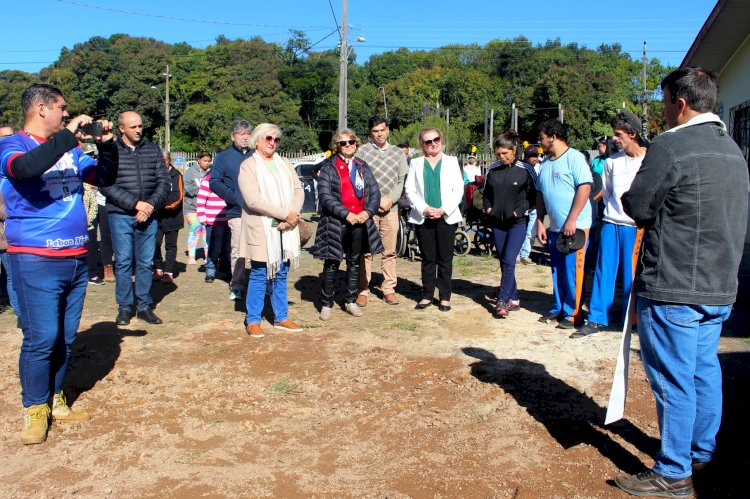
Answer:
[(210, 208)]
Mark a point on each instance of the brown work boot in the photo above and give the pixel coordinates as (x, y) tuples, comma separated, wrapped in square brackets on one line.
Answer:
[(35, 424), (62, 412), (650, 483), (361, 301), (109, 274), (254, 330)]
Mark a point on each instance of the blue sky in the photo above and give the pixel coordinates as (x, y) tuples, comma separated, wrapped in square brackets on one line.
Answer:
[(34, 33)]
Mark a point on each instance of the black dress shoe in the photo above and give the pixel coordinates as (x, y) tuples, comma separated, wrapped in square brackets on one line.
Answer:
[(444, 308), (422, 306), (149, 316), (123, 318), (209, 279)]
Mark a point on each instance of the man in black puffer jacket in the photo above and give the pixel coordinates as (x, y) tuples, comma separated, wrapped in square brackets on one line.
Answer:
[(140, 190)]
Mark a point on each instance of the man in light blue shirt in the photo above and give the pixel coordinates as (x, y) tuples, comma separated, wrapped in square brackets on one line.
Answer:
[(563, 189)]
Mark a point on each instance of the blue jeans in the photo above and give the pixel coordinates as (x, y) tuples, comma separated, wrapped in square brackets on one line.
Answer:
[(507, 245), (679, 350), (50, 302), (217, 240), (530, 235), (133, 243), (256, 293), (12, 296)]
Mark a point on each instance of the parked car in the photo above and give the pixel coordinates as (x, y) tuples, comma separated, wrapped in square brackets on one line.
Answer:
[(308, 176)]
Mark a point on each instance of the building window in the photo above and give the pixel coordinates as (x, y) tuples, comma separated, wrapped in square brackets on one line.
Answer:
[(739, 119)]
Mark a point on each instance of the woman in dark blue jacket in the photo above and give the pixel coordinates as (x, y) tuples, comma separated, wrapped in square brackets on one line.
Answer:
[(349, 196), (508, 194)]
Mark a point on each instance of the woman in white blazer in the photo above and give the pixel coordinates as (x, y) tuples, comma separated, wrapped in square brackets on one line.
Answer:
[(435, 187)]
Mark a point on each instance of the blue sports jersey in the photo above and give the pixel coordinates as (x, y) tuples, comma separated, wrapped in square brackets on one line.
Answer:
[(558, 181), (45, 215)]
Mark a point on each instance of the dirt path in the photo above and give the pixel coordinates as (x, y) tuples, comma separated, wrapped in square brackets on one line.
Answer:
[(400, 403)]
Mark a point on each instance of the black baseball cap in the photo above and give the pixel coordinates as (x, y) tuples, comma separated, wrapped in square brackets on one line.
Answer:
[(569, 244)]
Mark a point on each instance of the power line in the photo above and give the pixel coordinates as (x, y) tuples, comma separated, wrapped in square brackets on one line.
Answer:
[(181, 19), (334, 18)]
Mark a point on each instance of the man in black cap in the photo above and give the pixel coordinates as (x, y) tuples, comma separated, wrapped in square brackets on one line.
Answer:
[(620, 239)]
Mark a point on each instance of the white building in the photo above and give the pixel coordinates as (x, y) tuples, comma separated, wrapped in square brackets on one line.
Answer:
[(723, 45)]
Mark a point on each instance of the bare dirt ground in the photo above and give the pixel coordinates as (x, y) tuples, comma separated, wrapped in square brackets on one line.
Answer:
[(400, 403)]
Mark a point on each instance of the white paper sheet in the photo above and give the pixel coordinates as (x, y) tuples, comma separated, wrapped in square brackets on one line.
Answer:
[(619, 392)]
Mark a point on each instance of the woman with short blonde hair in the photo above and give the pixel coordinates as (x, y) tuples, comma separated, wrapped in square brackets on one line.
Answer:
[(273, 198)]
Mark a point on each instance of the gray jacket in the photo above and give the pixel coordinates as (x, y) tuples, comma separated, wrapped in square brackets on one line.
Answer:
[(191, 182), (691, 196)]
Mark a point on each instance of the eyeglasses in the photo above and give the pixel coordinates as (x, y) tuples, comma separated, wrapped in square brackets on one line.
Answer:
[(429, 142), (275, 140), (342, 143)]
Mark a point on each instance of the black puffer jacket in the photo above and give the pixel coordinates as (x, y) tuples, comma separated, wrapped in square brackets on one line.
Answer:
[(170, 217), (141, 176), (328, 243)]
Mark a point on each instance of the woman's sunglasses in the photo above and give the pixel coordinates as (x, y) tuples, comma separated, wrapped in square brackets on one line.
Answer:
[(342, 143), (275, 140), (436, 141)]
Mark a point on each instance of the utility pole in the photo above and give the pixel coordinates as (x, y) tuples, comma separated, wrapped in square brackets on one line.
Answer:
[(447, 126), (644, 117), (343, 66), (560, 113), (492, 128), (385, 103), (167, 142), (484, 143)]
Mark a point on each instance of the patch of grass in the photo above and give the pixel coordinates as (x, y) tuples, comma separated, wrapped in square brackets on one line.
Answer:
[(540, 269), (284, 387), (404, 326), (540, 285)]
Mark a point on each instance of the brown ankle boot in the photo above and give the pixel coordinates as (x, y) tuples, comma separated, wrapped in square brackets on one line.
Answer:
[(109, 275)]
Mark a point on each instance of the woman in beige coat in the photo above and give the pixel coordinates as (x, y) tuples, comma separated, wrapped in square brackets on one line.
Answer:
[(273, 198)]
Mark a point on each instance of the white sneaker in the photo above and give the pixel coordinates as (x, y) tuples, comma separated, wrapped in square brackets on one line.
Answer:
[(325, 313), (354, 310), (235, 295)]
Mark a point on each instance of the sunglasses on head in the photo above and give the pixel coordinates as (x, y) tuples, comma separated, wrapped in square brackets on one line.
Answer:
[(351, 142), (435, 141), (275, 140)]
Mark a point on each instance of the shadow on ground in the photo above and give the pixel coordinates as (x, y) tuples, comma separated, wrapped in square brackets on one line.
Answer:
[(94, 355)]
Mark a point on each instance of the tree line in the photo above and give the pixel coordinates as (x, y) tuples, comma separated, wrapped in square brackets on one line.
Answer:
[(292, 85)]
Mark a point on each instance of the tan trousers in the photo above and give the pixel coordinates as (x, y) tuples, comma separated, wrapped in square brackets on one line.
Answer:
[(388, 228)]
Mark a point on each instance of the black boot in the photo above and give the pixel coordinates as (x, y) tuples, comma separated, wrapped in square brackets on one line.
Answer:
[(328, 282)]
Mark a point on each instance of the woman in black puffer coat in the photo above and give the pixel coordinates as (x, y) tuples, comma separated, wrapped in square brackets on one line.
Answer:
[(348, 196)]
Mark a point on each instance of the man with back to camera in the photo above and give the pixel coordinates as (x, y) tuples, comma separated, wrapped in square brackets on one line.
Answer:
[(224, 182), (563, 189), (690, 196), (388, 164), (42, 171), (140, 190)]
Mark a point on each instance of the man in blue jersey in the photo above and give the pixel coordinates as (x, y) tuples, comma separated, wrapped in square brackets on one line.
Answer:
[(563, 188), (42, 171)]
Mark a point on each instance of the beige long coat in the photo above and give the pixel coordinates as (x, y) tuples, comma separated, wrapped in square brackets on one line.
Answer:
[(252, 235)]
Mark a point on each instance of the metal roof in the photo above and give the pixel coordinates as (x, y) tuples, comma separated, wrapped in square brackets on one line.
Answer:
[(723, 33)]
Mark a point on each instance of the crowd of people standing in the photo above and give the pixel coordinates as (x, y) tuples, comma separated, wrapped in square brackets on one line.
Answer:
[(669, 222)]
